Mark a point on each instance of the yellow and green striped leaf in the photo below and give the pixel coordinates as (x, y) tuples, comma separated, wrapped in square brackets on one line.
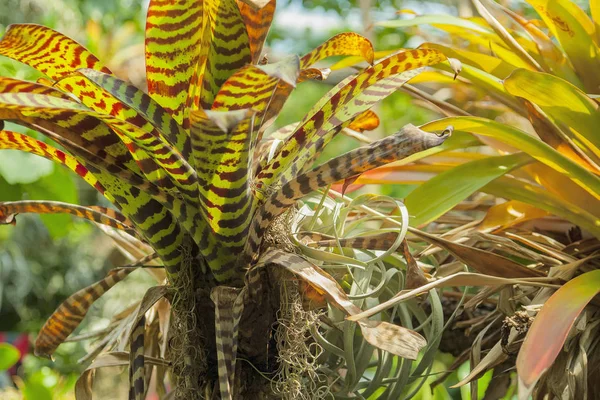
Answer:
[(252, 86), (101, 215), (407, 141), (46, 50), (173, 46), (222, 148), (343, 44), (148, 150), (18, 141), (10, 85), (152, 112), (227, 46)]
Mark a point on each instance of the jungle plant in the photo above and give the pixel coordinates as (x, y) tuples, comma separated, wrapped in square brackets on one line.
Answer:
[(528, 92), (198, 187)]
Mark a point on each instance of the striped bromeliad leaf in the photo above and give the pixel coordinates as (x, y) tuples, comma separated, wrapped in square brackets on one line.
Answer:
[(101, 215), (42, 48), (184, 163), (349, 98), (72, 311), (408, 141), (10, 85), (227, 49), (173, 38), (257, 21)]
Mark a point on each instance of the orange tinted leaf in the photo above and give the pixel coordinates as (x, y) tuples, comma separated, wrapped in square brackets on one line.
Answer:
[(258, 22), (505, 215), (8, 85), (343, 44), (366, 121)]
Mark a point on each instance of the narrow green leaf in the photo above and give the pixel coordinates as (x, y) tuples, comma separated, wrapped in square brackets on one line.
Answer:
[(441, 193), (528, 144)]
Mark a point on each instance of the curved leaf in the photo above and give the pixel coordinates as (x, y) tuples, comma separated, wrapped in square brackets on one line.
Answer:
[(576, 33), (72, 311), (536, 196), (101, 215), (257, 24), (343, 44), (144, 105), (568, 106), (548, 333), (41, 47), (443, 192), (519, 139), (18, 141), (333, 112)]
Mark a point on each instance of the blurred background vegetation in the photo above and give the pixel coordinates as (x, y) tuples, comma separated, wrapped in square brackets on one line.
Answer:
[(43, 260)]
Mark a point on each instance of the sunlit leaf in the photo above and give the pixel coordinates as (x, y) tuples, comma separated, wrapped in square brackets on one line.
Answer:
[(173, 37), (441, 193), (505, 215), (575, 32), (519, 139), (551, 94), (40, 47)]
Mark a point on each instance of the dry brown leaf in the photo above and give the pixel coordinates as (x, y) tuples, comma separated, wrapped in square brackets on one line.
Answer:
[(393, 338), (460, 279), (480, 260)]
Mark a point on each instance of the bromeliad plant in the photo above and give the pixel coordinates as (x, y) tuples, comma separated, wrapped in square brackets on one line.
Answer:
[(188, 169), (528, 91)]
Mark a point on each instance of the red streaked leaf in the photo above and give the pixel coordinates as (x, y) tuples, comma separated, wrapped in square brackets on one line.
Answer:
[(41, 48), (173, 37)]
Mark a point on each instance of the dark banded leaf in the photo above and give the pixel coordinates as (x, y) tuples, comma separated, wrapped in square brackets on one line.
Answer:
[(18, 141), (148, 150), (101, 215), (228, 49), (137, 375), (152, 112), (343, 44), (407, 141), (173, 46), (229, 306), (72, 311), (252, 86), (349, 98), (10, 85), (46, 50)]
